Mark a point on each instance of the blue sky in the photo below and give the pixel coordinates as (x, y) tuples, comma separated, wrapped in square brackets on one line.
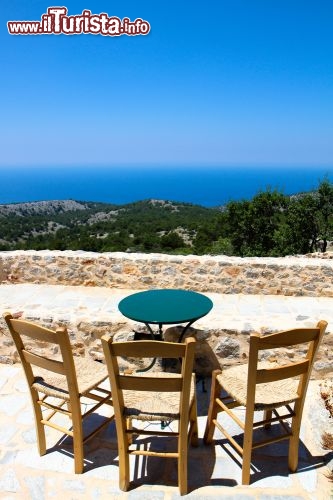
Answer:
[(214, 83)]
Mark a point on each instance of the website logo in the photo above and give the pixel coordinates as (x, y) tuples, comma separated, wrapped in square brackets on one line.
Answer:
[(56, 21)]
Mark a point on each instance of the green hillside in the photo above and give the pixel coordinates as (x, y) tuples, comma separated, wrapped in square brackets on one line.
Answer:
[(270, 224), (144, 226)]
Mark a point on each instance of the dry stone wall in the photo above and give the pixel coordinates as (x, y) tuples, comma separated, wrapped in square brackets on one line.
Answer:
[(295, 276)]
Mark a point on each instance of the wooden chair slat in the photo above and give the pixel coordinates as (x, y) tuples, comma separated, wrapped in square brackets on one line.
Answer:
[(45, 363), (282, 372), (287, 338), (147, 349), (156, 384), (35, 331)]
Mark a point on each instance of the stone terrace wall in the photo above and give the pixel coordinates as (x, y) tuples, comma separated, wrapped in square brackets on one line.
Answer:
[(228, 275)]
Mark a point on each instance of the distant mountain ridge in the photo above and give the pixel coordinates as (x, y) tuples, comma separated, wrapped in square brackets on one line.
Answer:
[(61, 206), (47, 207)]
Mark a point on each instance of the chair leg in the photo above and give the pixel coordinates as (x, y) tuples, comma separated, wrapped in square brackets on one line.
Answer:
[(267, 416), (40, 429), (294, 440), (213, 408), (124, 472), (129, 427), (247, 446), (124, 440), (77, 437), (182, 462), (194, 420)]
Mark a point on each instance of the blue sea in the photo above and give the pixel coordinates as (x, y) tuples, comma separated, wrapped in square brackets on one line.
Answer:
[(207, 186)]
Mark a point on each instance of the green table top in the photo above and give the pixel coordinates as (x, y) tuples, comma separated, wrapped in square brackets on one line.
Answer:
[(165, 306)]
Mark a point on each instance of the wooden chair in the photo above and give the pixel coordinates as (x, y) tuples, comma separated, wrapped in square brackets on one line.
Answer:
[(259, 387), (55, 384), (154, 396)]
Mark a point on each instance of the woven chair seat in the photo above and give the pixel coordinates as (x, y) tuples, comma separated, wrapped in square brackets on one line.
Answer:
[(89, 373), (153, 406), (268, 396)]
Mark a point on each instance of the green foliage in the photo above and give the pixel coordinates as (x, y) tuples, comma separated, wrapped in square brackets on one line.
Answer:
[(252, 224), (298, 232), (273, 224), (325, 211), (222, 246), (171, 241)]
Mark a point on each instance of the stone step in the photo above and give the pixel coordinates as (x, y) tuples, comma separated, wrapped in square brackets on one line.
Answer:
[(235, 311), (89, 312)]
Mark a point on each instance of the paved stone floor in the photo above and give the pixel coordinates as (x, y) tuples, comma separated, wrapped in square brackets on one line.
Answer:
[(214, 471)]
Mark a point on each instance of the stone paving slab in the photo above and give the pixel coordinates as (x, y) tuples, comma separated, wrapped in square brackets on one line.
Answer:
[(214, 471)]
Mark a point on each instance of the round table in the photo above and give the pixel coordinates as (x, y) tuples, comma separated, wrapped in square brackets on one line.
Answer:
[(165, 307)]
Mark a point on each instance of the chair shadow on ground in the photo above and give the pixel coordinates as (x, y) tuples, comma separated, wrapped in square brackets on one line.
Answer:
[(160, 471), (208, 465), (270, 460), (102, 451), (99, 451)]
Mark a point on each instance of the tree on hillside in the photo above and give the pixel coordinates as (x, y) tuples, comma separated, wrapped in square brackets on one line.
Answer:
[(208, 232), (308, 223), (172, 241), (325, 212), (252, 224), (298, 231)]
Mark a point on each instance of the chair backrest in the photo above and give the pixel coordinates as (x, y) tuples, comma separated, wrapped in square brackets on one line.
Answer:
[(149, 381), (29, 337), (310, 337)]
